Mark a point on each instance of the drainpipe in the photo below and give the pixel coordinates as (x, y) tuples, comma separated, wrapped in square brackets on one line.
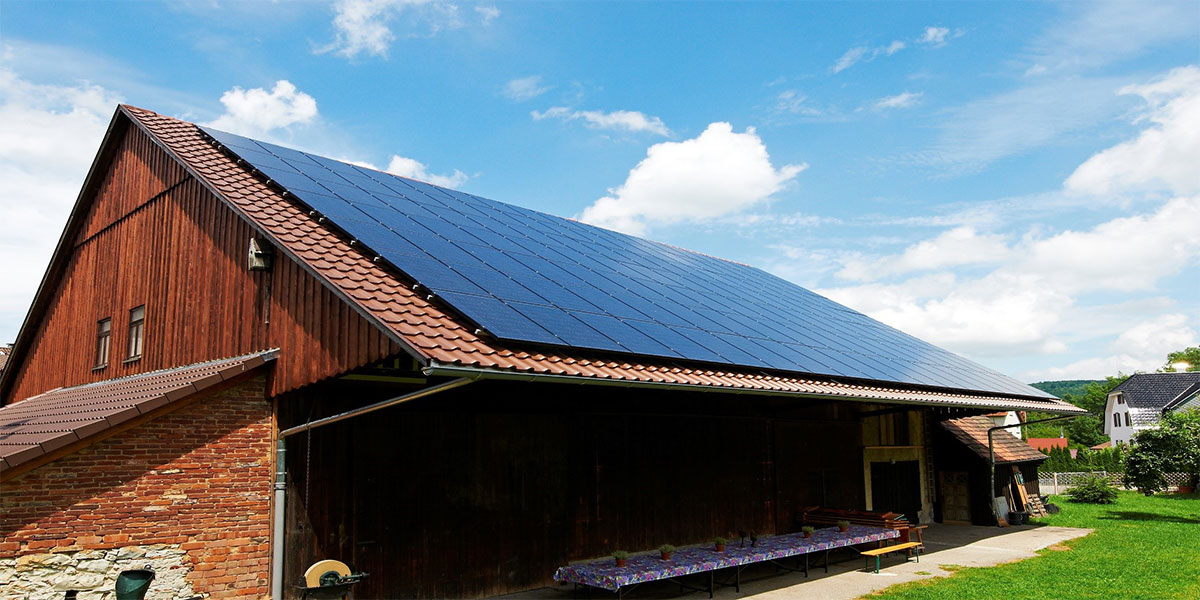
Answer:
[(992, 459), (280, 517)]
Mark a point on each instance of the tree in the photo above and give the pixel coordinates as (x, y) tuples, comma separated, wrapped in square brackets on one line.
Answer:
[(1086, 430), (1173, 446), (1190, 356)]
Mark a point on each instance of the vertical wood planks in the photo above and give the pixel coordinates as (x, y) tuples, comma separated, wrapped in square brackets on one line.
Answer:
[(154, 236)]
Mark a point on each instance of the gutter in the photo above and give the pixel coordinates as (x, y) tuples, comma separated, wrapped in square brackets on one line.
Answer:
[(280, 516), (439, 369), (992, 458)]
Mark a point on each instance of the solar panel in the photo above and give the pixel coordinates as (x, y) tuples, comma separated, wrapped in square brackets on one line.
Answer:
[(526, 276)]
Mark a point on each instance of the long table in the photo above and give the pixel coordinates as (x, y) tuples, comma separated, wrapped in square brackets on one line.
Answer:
[(691, 560)]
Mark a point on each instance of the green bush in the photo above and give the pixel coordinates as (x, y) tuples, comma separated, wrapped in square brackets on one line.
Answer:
[(1093, 490)]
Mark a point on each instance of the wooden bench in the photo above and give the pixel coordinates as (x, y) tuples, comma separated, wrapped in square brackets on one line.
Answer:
[(911, 548)]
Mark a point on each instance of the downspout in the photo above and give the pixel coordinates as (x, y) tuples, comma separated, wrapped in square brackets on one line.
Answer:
[(280, 517), (992, 459)]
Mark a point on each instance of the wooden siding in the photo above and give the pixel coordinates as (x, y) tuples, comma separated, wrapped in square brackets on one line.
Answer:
[(489, 488), (155, 236)]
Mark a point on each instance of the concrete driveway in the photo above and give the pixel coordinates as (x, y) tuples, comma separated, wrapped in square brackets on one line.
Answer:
[(944, 544)]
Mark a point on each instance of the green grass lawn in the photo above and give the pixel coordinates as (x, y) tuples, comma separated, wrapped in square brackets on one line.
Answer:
[(1141, 548)]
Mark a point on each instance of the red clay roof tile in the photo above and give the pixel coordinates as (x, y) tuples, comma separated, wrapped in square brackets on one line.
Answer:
[(46, 422), (972, 431)]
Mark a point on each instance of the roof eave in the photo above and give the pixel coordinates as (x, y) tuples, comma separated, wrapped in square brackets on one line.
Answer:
[(439, 369)]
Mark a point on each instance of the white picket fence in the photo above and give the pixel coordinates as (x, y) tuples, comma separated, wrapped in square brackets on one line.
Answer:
[(1059, 483)]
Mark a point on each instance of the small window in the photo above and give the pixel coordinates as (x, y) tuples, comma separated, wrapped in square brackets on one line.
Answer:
[(1127, 422), (103, 342), (137, 330), (1116, 420)]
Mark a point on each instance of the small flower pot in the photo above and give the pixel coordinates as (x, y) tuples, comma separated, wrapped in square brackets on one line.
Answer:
[(621, 562), (807, 534), (720, 547), (843, 529), (664, 555)]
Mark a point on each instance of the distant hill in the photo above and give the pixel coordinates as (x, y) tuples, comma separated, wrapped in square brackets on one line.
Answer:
[(1073, 387)]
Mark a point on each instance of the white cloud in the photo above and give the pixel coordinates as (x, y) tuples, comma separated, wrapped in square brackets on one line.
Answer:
[(934, 36), (859, 54), (1049, 292), (524, 88), (1019, 305), (1014, 122), (370, 26), (256, 111), (849, 59), (49, 135), (1164, 156), (955, 247), (901, 100), (622, 120), (795, 103), (488, 13), (718, 173), (408, 167), (1142, 347), (1094, 34)]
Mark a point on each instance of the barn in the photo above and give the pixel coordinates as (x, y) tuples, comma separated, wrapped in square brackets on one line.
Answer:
[(244, 358)]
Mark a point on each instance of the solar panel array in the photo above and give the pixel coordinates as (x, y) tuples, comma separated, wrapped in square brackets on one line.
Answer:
[(527, 276)]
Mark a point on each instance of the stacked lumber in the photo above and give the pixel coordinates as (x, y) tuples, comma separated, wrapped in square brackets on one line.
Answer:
[(816, 515)]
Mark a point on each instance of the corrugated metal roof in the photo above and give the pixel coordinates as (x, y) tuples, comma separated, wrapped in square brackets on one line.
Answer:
[(972, 431), (442, 339), (47, 422)]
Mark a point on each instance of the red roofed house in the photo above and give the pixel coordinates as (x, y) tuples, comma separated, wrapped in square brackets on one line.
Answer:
[(1046, 444), (200, 320)]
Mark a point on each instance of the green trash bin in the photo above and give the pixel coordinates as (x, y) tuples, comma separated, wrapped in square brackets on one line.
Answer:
[(133, 584)]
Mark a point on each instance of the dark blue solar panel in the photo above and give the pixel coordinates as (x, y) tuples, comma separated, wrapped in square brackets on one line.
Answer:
[(531, 277)]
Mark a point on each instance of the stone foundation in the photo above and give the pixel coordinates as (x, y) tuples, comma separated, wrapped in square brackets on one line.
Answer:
[(93, 573)]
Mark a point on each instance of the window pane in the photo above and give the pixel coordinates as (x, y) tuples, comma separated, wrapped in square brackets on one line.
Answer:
[(103, 338), (137, 317)]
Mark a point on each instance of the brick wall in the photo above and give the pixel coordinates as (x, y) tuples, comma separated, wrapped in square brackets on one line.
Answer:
[(197, 480)]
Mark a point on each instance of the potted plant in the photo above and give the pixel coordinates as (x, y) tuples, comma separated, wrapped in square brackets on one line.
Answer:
[(621, 556), (808, 530), (719, 542), (665, 551), (843, 525)]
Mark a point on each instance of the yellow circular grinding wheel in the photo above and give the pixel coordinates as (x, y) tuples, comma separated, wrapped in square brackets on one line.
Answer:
[(312, 577)]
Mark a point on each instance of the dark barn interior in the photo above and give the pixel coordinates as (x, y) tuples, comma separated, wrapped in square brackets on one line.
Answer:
[(487, 489)]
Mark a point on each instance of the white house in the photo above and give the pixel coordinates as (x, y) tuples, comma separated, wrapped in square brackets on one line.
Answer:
[(1007, 418), (1140, 402)]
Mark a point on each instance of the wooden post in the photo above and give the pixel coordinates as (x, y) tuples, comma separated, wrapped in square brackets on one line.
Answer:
[(1055, 484)]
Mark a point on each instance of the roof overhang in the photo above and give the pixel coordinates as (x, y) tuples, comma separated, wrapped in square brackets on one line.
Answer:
[(1003, 449), (763, 385)]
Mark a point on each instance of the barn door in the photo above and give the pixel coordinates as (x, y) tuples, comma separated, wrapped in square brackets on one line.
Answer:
[(956, 497), (896, 487)]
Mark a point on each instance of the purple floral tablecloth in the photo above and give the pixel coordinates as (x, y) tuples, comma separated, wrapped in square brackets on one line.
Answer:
[(607, 575)]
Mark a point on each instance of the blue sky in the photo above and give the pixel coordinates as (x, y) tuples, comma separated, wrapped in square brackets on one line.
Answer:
[(1016, 182)]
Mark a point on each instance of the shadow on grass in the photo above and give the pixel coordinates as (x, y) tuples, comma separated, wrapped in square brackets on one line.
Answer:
[(1125, 515)]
